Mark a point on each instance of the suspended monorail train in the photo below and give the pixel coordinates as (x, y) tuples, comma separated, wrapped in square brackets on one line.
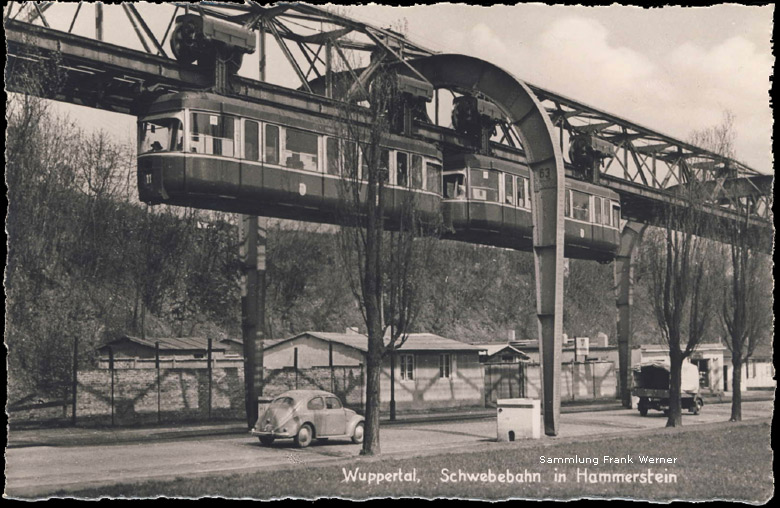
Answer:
[(283, 158)]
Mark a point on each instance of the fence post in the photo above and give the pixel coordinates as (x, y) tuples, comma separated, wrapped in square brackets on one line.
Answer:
[(210, 372), (111, 369), (295, 366), (157, 366), (330, 363), (571, 376), (75, 382), (520, 379)]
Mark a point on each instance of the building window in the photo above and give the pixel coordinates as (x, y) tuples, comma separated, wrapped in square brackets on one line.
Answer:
[(445, 365), (407, 367)]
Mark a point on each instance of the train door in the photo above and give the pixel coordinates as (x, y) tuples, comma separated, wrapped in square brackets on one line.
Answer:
[(599, 232), (301, 157), (509, 205), (251, 168)]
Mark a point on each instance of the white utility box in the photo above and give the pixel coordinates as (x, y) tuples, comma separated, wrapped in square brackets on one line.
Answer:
[(518, 419)]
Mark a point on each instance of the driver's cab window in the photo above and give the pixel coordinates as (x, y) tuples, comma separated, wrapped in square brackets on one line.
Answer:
[(454, 187), (316, 403), (333, 403)]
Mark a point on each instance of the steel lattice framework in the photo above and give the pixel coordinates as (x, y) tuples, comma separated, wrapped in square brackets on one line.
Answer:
[(645, 167)]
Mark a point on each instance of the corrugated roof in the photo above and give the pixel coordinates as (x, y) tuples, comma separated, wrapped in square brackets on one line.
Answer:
[(415, 342), (173, 343)]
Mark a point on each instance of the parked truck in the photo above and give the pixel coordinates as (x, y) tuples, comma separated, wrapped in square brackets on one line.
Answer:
[(651, 385)]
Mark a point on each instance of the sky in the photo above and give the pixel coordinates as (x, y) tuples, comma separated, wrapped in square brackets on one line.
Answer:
[(671, 69)]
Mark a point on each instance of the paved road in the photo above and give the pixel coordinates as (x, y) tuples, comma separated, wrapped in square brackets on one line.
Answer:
[(39, 470)]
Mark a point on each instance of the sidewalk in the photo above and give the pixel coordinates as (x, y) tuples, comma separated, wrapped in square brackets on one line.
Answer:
[(80, 436)]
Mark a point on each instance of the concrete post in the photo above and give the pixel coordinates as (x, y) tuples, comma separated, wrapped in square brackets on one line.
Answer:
[(624, 281)]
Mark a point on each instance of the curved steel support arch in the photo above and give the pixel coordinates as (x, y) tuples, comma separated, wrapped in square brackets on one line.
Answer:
[(630, 238), (535, 130)]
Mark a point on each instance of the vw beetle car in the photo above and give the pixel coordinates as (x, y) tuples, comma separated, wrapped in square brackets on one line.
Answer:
[(305, 415)]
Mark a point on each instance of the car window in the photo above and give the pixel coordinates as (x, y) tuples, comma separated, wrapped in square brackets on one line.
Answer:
[(282, 402), (333, 403), (316, 403)]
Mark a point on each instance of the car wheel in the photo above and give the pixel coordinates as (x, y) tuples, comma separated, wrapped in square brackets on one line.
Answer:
[(266, 440), (304, 437), (643, 407), (357, 435), (697, 404)]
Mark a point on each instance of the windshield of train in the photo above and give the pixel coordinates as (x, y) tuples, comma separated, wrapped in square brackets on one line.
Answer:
[(453, 186), (160, 135)]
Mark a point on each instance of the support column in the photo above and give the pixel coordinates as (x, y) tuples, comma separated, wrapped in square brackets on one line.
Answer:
[(630, 237), (253, 231), (253, 242), (99, 21)]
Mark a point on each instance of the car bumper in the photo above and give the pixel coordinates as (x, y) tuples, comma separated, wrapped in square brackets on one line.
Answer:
[(260, 433)]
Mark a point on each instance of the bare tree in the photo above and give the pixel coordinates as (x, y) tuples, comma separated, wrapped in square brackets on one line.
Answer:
[(383, 267), (746, 308), (679, 287), (746, 313)]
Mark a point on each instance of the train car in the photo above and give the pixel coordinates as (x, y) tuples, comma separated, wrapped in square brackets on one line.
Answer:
[(488, 200), (209, 151)]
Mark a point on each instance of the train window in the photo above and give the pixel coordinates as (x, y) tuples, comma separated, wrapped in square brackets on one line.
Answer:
[(433, 177), (453, 186), (350, 159), (417, 173), (615, 214), (300, 150), (597, 209), (509, 189), (484, 185), (251, 140), (402, 169), (384, 164), (334, 156), (522, 183), (567, 205), (212, 134), (271, 144), (162, 134), (580, 205)]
